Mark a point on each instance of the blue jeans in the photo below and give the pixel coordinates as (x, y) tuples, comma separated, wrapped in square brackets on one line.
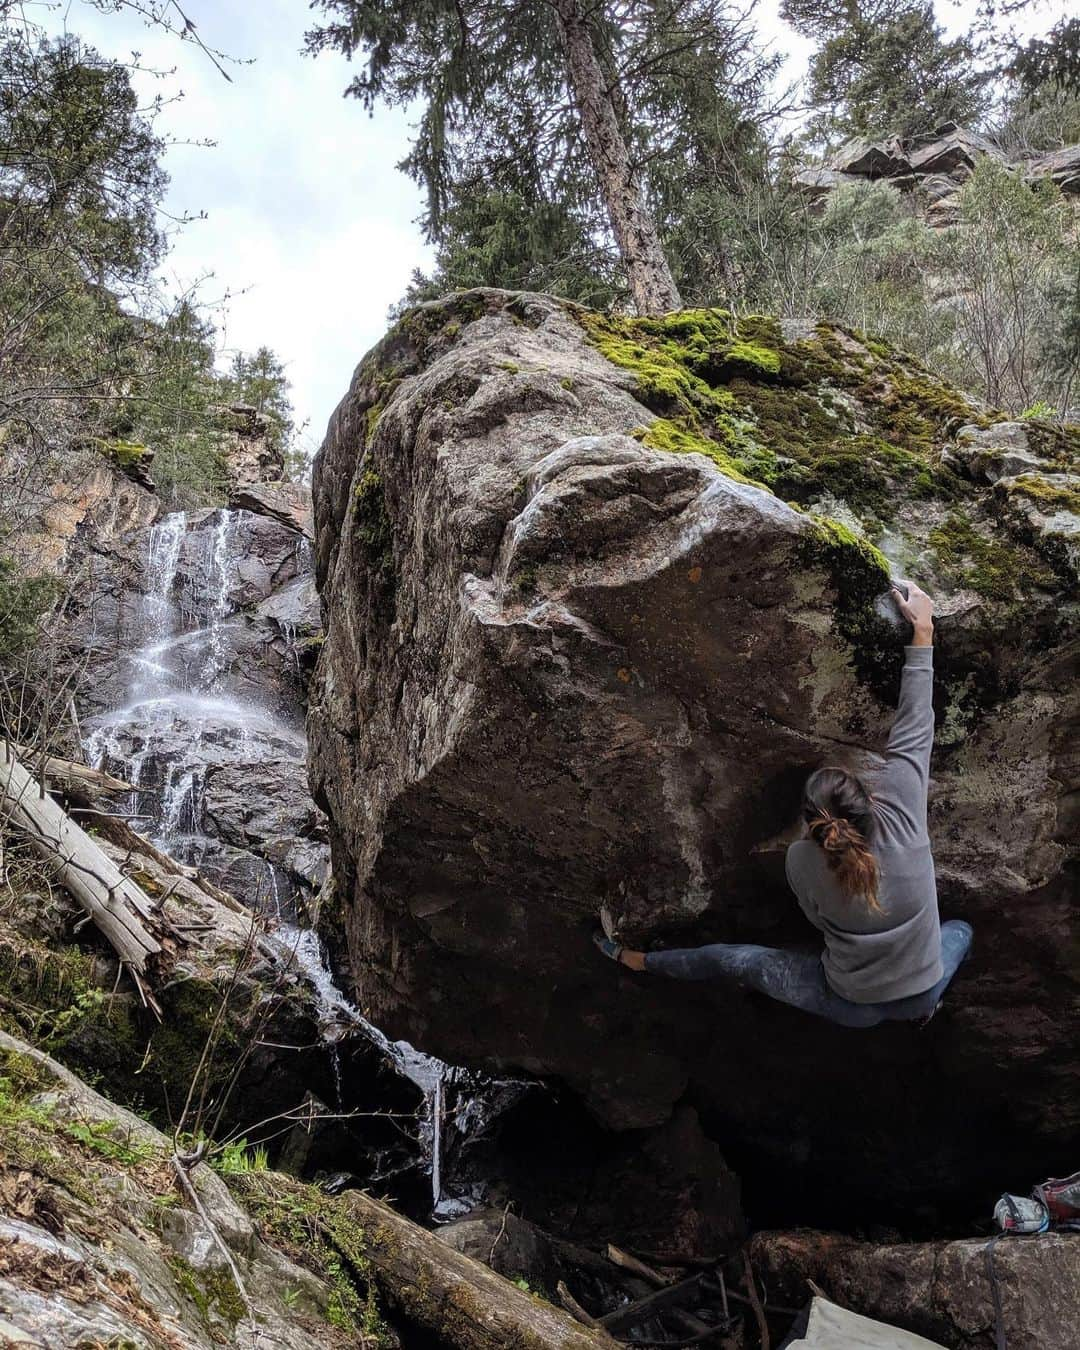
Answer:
[(798, 979)]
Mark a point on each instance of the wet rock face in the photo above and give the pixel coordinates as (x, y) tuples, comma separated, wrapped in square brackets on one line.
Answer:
[(266, 808), (562, 666)]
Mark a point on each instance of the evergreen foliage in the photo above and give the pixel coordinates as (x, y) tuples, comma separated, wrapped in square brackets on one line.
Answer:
[(884, 68), (80, 169), (512, 196), (1051, 61), (92, 351), (260, 381)]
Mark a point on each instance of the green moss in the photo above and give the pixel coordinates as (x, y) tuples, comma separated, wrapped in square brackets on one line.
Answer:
[(124, 454), (374, 531), (313, 1230), (859, 575), (1048, 496), (757, 358), (525, 579), (668, 356), (213, 1292), (751, 465), (783, 414), (27, 1125), (862, 469), (1057, 444), (436, 324), (991, 569)]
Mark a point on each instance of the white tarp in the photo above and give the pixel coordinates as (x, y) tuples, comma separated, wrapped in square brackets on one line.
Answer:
[(834, 1328)]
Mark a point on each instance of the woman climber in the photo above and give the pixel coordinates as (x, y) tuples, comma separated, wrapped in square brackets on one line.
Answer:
[(864, 876)]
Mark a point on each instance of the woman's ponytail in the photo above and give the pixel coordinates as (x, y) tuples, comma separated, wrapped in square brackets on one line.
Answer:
[(840, 817)]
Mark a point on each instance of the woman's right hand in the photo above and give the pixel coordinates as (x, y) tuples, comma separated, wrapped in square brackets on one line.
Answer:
[(918, 608)]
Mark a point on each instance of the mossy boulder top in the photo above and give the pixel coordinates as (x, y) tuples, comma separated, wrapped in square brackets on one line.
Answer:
[(599, 593)]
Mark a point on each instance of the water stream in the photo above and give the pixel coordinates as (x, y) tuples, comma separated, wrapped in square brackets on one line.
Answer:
[(456, 1102), (179, 717)]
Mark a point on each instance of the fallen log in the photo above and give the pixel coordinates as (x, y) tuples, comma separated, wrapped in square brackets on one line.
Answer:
[(119, 908), (699, 1331), (669, 1296), (572, 1306), (438, 1289), (69, 773), (117, 831)]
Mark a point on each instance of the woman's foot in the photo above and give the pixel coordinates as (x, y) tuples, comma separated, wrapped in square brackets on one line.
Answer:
[(623, 955)]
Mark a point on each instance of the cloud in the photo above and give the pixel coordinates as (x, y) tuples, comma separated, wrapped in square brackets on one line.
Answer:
[(309, 224)]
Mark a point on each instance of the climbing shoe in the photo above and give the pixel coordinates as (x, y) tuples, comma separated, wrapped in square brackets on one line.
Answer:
[(608, 946)]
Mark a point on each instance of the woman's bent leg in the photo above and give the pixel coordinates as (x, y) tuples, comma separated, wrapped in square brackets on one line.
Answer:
[(794, 978), (956, 936)]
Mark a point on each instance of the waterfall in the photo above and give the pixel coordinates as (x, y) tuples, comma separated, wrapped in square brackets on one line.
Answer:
[(179, 716), (182, 713)]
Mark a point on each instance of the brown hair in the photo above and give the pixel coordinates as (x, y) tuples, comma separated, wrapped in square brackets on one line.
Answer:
[(840, 816)]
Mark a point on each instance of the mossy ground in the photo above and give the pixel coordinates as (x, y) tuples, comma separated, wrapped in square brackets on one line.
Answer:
[(61, 998), (94, 1178)]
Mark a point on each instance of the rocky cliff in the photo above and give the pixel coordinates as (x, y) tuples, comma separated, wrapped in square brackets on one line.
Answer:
[(929, 171), (598, 594)]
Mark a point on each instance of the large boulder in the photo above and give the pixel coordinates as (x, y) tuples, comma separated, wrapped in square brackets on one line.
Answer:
[(1062, 166), (951, 149), (249, 447), (870, 159), (290, 503), (598, 595)]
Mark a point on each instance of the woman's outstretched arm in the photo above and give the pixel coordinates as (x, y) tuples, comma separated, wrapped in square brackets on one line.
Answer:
[(912, 737)]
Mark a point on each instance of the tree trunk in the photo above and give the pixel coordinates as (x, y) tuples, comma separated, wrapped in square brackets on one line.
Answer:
[(118, 907), (651, 283), (73, 776)]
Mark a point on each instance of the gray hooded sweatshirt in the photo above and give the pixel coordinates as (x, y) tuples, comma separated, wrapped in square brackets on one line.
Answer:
[(878, 957)]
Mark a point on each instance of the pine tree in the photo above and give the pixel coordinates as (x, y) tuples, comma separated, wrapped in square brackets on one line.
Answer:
[(545, 101), (260, 380), (884, 68)]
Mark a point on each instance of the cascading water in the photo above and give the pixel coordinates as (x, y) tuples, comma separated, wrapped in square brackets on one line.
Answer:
[(479, 1099), (181, 716)]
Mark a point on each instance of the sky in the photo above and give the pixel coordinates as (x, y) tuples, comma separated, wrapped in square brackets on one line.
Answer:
[(310, 229)]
